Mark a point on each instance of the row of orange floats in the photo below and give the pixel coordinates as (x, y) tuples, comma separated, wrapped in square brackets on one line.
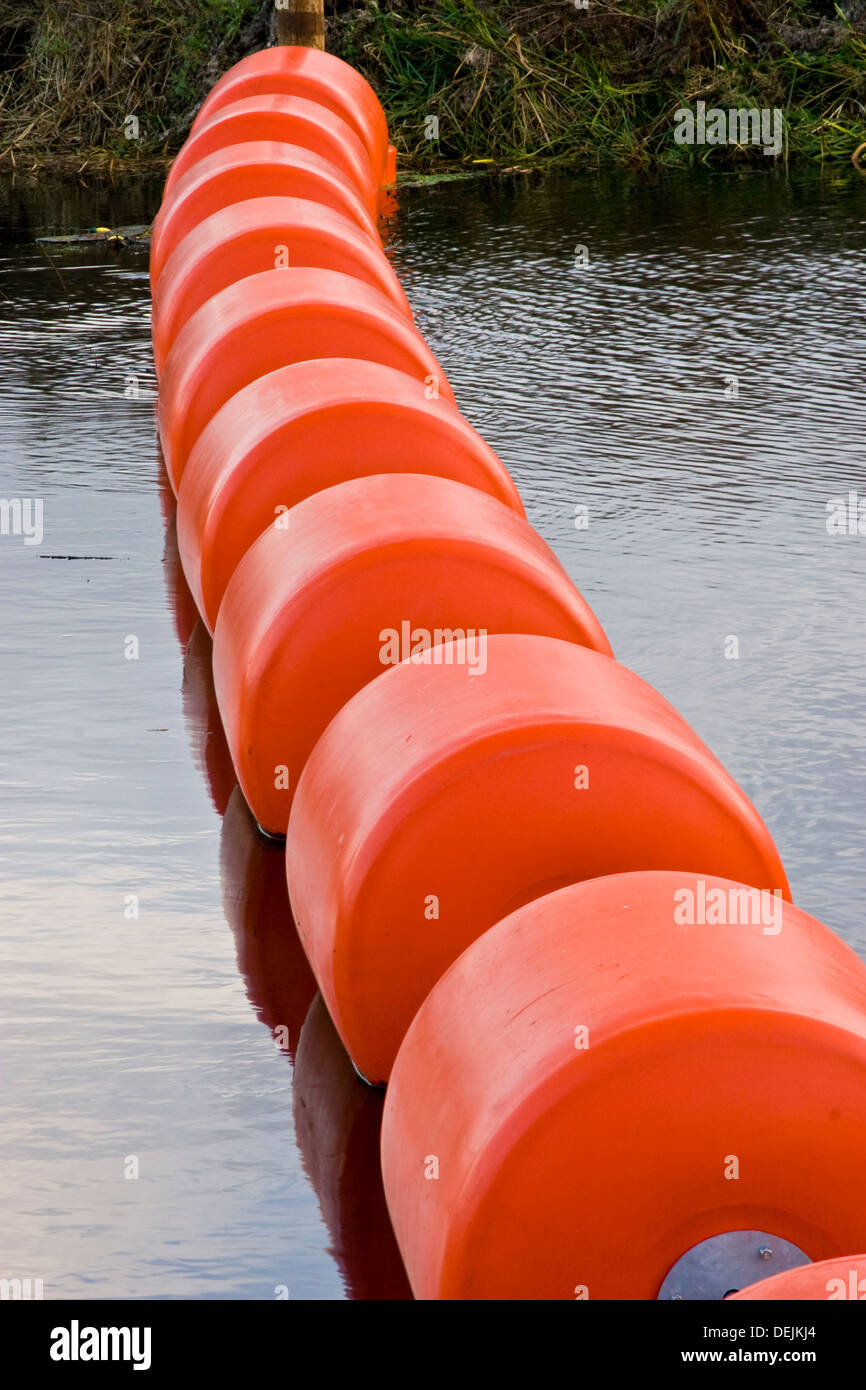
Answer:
[(620, 1063)]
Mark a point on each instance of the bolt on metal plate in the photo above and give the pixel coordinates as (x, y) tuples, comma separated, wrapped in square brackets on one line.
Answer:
[(726, 1263)]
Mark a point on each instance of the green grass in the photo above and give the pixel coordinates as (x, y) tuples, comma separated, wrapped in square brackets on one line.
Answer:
[(546, 83), (518, 84)]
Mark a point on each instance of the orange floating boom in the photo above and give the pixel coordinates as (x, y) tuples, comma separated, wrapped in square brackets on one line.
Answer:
[(339, 588), (598, 1084), (257, 235), (305, 427), (256, 169), (622, 1064), (267, 321), (437, 801)]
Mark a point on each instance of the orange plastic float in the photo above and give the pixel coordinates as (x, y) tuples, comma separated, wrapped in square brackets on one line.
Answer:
[(303, 428), (349, 583), (254, 236), (828, 1280), (290, 119), (389, 179), (258, 169), (287, 70), (267, 321), (600, 1086), (435, 803)]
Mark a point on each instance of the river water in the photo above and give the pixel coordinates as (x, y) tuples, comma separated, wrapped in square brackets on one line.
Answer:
[(672, 370)]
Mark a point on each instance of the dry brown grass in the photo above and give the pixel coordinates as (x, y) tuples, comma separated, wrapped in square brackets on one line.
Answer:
[(510, 81), (73, 71)]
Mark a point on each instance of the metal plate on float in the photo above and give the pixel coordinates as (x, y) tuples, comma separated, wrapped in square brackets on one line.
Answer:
[(726, 1263)]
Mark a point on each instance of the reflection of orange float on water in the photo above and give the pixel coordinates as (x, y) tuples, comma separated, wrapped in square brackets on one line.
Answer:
[(180, 599), (388, 207), (604, 1084), (278, 980), (256, 235), (201, 714), (306, 427), (828, 1280), (435, 803), (267, 321), (337, 1125), (167, 499), (358, 576)]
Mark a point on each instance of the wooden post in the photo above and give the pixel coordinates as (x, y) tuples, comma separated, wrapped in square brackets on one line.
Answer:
[(300, 22)]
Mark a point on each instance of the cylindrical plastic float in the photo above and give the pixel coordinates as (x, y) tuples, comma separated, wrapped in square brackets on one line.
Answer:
[(267, 321), (258, 235), (257, 169), (437, 802), (827, 1280), (603, 1081), (352, 581), (293, 120), (288, 70), (306, 427)]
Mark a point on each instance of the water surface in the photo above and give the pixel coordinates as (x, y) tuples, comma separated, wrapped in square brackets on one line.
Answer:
[(682, 359)]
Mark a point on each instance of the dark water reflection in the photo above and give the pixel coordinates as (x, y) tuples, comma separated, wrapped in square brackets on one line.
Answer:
[(603, 386)]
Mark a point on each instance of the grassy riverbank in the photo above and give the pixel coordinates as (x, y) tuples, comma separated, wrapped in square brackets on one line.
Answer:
[(516, 84)]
